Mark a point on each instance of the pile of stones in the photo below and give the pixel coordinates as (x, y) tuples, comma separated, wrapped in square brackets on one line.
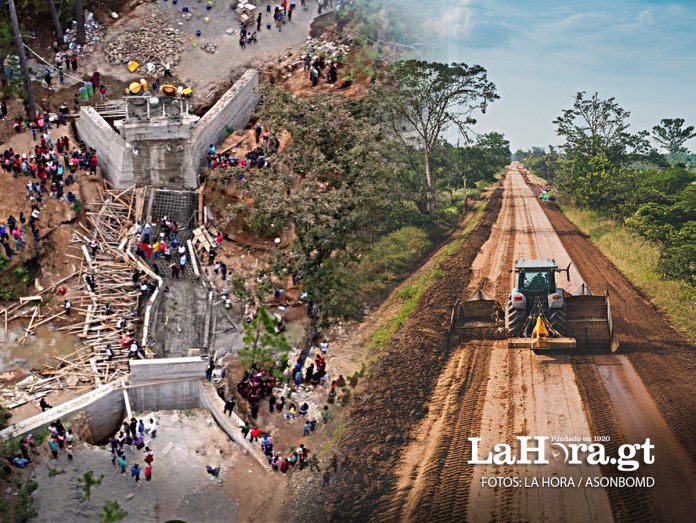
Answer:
[(155, 44)]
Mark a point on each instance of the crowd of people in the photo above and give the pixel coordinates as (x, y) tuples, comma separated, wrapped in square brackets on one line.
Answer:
[(132, 436), (258, 157), (50, 167)]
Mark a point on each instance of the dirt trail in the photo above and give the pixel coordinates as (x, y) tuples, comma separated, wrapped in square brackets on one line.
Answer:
[(485, 389), (533, 395)]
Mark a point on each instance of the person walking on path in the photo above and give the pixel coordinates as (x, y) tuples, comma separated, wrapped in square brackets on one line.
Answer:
[(245, 429), (53, 446), (210, 369), (148, 472), (326, 478), (254, 434), (258, 22), (307, 429), (121, 462), (69, 451), (229, 406), (135, 472), (149, 455), (271, 404)]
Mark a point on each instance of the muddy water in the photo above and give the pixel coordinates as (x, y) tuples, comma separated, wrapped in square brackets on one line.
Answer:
[(37, 350)]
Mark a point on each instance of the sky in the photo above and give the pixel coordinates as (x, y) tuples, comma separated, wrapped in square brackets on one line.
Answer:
[(540, 53)]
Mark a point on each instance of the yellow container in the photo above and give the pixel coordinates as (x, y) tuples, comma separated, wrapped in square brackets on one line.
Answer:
[(135, 88), (168, 89), (188, 92), (133, 66)]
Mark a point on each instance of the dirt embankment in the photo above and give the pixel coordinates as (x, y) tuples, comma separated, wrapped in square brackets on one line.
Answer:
[(398, 387), (663, 358)]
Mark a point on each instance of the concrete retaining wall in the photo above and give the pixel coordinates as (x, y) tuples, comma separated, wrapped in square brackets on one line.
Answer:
[(104, 408), (229, 424), (233, 110), (110, 146), (165, 384)]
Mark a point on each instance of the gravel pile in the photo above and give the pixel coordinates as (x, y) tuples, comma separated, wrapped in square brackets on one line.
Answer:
[(156, 44)]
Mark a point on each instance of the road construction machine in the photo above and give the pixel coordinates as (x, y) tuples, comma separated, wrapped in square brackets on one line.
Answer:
[(538, 315)]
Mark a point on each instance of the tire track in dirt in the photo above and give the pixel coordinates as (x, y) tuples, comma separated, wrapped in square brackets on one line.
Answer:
[(663, 358), (627, 504), (395, 398), (436, 494)]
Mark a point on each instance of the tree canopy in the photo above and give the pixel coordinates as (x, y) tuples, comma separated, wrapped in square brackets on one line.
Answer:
[(427, 98), (671, 134)]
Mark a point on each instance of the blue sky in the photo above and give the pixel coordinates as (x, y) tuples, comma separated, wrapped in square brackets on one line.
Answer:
[(539, 53)]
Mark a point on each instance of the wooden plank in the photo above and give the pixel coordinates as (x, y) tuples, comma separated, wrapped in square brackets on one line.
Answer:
[(88, 319), (194, 262), (26, 299)]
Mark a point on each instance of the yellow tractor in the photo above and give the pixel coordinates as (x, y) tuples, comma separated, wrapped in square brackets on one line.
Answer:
[(538, 315)]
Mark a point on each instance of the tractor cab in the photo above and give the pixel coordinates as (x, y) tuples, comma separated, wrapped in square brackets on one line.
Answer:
[(536, 277)]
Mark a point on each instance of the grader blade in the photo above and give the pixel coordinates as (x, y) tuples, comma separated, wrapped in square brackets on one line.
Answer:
[(588, 319), (478, 318)]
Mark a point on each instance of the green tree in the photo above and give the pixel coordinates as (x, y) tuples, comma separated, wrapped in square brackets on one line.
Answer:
[(427, 98), (598, 148), (264, 343), (80, 21), (57, 29), (22, 59), (112, 512), (672, 135), (87, 482)]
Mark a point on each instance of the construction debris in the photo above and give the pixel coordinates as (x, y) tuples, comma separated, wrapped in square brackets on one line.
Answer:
[(100, 315), (157, 43)]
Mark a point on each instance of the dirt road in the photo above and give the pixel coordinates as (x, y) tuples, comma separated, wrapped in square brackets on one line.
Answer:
[(495, 393)]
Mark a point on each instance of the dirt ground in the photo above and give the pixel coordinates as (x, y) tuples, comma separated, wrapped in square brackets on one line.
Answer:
[(181, 488)]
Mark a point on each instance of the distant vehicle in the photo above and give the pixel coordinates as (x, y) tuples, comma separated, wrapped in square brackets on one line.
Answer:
[(546, 196)]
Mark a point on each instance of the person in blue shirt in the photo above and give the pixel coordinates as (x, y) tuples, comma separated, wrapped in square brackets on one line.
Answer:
[(135, 472)]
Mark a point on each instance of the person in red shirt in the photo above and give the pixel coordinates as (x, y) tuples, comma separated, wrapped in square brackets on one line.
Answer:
[(93, 164), (254, 434)]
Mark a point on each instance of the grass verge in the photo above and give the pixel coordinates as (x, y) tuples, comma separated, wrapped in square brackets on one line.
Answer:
[(411, 291), (637, 259)]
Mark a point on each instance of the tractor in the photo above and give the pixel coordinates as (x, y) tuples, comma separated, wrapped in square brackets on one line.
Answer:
[(538, 314)]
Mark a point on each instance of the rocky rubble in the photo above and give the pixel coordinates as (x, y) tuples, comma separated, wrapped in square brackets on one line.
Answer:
[(156, 43)]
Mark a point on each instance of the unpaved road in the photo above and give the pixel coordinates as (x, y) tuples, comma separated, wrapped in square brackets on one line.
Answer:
[(496, 393)]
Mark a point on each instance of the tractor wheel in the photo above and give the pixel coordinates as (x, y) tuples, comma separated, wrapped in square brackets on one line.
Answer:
[(558, 321), (514, 320)]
